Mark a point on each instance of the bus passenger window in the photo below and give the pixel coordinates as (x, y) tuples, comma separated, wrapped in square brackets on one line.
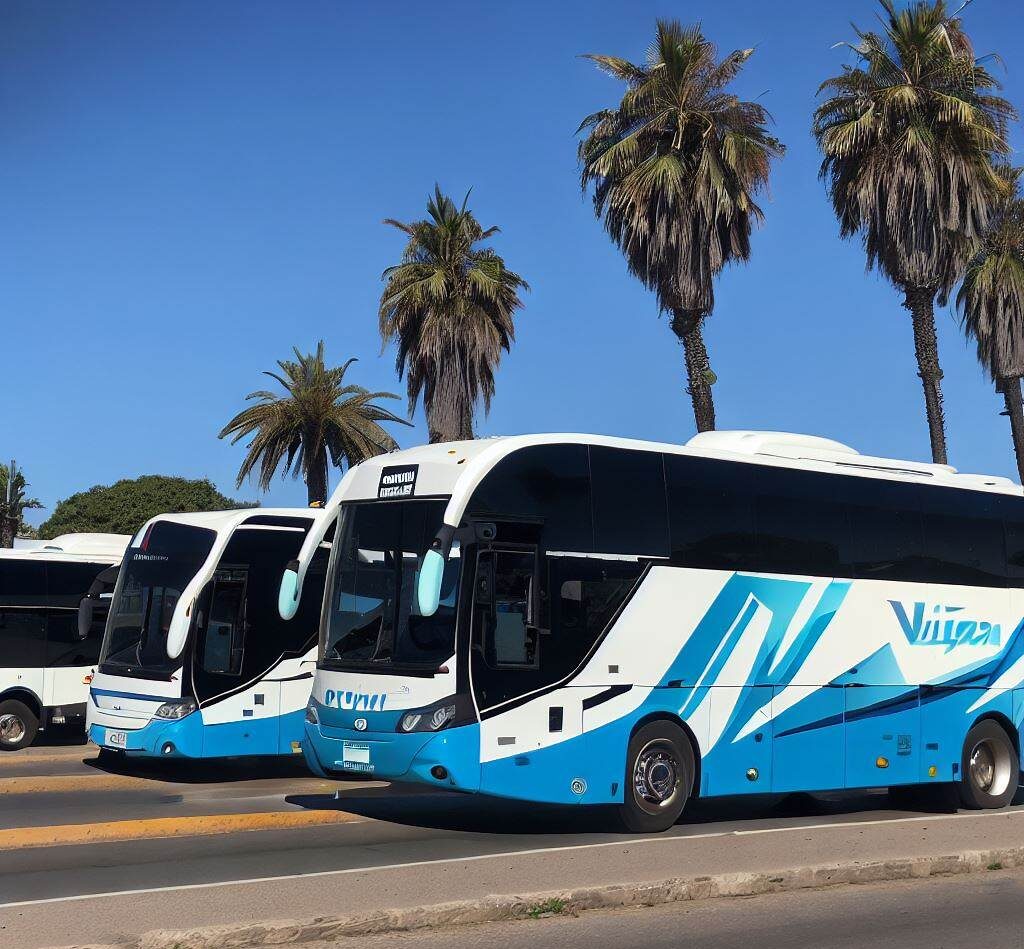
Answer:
[(223, 644)]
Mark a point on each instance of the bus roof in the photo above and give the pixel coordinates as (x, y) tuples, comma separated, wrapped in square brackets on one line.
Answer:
[(266, 517), (455, 468), (83, 547)]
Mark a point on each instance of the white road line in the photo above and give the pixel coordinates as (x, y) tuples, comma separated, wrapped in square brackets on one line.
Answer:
[(506, 854)]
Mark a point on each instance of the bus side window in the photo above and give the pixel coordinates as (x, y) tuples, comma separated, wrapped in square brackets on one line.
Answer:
[(224, 640), (505, 590)]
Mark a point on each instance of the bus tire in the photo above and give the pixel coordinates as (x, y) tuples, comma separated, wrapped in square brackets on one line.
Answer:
[(989, 767), (18, 725), (659, 778)]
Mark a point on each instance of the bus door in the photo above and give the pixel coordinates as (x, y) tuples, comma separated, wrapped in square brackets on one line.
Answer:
[(240, 707)]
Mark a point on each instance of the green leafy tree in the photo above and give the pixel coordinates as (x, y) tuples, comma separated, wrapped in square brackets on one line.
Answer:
[(319, 418), (908, 137), (674, 168), (991, 300), (13, 504), (449, 306), (123, 507)]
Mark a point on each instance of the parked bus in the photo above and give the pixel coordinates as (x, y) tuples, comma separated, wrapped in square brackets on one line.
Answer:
[(45, 658), (581, 619), (196, 662)]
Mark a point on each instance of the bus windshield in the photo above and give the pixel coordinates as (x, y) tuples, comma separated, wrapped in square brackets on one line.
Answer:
[(152, 579), (373, 620)]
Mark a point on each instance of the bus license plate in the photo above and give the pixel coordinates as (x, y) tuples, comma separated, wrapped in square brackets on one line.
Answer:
[(355, 756), (117, 739)]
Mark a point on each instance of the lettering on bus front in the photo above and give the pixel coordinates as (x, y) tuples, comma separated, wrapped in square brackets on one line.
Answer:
[(357, 701)]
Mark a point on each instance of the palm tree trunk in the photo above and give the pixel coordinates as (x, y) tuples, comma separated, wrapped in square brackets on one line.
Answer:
[(687, 327), (8, 528), (316, 485), (1010, 387), (920, 302), (446, 413)]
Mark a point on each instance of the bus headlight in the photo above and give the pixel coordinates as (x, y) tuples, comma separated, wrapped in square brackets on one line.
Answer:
[(311, 716), (427, 719), (177, 709)]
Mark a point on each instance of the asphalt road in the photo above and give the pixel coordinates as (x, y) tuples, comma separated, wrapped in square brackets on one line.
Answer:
[(390, 845), (944, 913)]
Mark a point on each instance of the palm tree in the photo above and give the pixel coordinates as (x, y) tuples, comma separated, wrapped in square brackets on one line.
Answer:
[(319, 418), (908, 137), (991, 300), (449, 306), (675, 168), (13, 502)]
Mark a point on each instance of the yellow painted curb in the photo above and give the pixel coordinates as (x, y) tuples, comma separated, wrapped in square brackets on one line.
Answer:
[(19, 838), (63, 783)]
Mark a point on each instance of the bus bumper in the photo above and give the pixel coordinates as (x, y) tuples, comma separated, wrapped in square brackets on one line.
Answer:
[(181, 738), (447, 759)]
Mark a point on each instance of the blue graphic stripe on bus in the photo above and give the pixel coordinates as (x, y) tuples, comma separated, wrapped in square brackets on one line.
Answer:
[(134, 695)]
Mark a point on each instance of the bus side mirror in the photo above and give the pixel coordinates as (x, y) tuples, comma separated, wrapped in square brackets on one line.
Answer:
[(428, 587), (85, 608), (288, 595)]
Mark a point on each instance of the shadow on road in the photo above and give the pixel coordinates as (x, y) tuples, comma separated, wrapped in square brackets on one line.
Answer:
[(471, 813), (214, 771)]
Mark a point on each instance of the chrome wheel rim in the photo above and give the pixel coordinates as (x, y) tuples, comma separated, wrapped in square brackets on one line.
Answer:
[(657, 776), (12, 729), (989, 767)]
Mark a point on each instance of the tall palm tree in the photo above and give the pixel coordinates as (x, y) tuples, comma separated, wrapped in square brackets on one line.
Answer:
[(908, 137), (320, 418), (991, 300), (449, 306), (13, 502), (675, 168)]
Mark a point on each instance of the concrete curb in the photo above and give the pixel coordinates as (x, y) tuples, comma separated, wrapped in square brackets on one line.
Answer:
[(568, 902)]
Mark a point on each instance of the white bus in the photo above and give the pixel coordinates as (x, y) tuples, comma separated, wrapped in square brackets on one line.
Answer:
[(45, 658), (581, 619), (196, 662)]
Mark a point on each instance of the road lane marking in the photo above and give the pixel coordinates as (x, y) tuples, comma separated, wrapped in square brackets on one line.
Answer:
[(20, 838), (504, 855)]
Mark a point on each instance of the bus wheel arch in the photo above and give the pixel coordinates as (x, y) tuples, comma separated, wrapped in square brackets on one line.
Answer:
[(989, 763), (20, 713)]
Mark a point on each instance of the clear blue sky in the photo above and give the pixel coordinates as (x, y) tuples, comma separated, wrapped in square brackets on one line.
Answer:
[(189, 188)]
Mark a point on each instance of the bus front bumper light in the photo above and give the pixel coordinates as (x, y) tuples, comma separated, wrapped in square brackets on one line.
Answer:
[(172, 711)]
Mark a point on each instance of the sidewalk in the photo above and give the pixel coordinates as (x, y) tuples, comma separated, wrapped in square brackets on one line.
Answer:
[(791, 848)]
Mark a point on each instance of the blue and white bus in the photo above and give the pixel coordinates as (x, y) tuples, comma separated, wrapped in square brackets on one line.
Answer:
[(196, 661), (581, 619)]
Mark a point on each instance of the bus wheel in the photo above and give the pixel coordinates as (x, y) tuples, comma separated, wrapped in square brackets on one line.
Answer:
[(18, 726), (989, 766), (659, 777)]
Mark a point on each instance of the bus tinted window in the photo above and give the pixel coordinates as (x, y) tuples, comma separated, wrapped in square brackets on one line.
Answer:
[(63, 647), (22, 582), (22, 638), (630, 513), (67, 583), (885, 529), (1012, 510), (801, 523), (711, 517), (963, 537), (549, 482)]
